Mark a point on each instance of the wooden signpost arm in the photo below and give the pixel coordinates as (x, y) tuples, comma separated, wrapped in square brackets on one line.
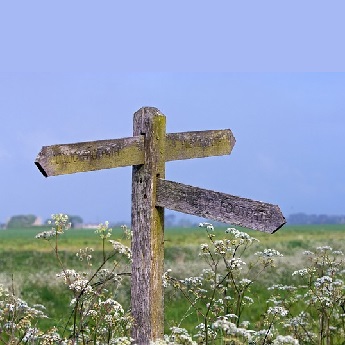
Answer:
[(148, 230), (106, 154), (221, 207)]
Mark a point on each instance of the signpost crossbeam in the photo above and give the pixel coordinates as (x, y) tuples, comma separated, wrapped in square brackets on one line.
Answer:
[(105, 154)]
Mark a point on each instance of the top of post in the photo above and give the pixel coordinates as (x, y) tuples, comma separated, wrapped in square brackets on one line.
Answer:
[(141, 117)]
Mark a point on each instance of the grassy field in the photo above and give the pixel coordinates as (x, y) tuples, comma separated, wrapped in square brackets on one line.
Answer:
[(28, 264), (288, 237)]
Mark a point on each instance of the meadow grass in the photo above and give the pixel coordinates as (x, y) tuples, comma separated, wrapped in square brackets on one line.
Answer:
[(29, 266), (288, 237)]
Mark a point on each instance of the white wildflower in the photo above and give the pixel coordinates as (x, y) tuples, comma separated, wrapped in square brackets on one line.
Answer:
[(308, 252), (323, 249), (280, 311), (46, 235), (269, 253), (235, 263), (245, 282), (103, 230), (208, 226), (337, 252), (322, 281), (287, 339), (121, 248), (68, 275), (81, 285), (92, 313), (301, 272), (247, 300)]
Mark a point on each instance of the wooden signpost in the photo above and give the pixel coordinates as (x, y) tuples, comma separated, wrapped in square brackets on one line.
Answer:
[(147, 151)]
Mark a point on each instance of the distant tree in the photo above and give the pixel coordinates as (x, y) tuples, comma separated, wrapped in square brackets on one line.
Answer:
[(21, 221), (302, 218), (75, 220)]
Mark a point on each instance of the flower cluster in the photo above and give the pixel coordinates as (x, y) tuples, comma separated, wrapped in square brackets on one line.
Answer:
[(18, 319), (121, 249), (85, 254), (103, 230), (268, 253), (128, 233), (277, 311), (96, 316), (61, 224), (240, 236), (208, 226)]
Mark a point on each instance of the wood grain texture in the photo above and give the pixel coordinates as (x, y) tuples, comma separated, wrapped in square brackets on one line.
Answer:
[(106, 154), (220, 207), (88, 156), (147, 299), (199, 144)]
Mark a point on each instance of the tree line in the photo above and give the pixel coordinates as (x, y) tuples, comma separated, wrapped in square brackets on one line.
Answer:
[(20, 221), (302, 218), (28, 220)]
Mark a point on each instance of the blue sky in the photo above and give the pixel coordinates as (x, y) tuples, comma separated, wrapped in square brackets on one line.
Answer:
[(289, 131), (78, 71)]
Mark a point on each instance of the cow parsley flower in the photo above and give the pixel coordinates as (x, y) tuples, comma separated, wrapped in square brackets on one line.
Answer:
[(235, 263), (269, 253), (46, 235), (285, 340), (103, 230), (301, 272), (337, 252), (324, 249), (81, 285), (280, 311), (208, 226), (242, 236), (121, 248)]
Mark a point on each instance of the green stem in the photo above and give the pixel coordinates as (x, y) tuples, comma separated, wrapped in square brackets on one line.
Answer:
[(104, 258), (238, 307), (75, 319), (266, 335), (206, 330)]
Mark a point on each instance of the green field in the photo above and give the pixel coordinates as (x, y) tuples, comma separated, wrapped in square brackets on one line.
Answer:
[(288, 237), (28, 264)]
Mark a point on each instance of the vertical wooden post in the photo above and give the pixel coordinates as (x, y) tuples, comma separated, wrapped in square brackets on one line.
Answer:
[(147, 295)]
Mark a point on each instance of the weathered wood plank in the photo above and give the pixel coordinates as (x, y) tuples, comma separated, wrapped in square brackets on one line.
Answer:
[(147, 298), (93, 155), (105, 154), (218, 206), (199, 144)]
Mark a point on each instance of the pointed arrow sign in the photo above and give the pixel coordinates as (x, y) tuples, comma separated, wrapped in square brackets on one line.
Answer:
[(218, 206)]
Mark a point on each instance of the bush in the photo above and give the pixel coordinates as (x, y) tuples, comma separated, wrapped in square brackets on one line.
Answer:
[(21, 221)]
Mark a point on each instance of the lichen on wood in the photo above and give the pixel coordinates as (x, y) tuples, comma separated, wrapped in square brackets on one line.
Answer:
[(88, 156), (199, 144), (106, 154), (220, 207), (147, 301)]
